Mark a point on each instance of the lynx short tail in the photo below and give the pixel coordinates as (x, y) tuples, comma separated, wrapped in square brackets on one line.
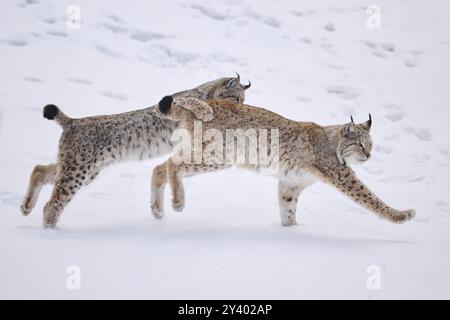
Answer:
[(165, 104), (52, 112)]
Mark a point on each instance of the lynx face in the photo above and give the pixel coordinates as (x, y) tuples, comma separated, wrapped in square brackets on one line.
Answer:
[(230, 88), (355, 144)]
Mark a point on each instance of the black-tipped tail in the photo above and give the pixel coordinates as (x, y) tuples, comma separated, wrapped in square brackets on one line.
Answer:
[(165, 104), (50, 111)]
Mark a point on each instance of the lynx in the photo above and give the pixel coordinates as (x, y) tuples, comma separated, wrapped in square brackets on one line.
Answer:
[(308, 153), (88, 145)]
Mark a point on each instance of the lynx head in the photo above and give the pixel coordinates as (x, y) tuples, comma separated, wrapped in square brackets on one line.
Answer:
[(355, 144), (225, 88)]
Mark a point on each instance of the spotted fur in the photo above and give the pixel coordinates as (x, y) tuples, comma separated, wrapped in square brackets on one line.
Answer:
[(308, 153), (88, 145)]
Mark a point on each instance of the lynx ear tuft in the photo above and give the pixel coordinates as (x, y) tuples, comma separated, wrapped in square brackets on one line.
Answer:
[(245, 87), (165, 104), (368, 124)]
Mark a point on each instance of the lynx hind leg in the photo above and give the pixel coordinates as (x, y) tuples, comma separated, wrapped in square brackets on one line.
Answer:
[(41, 175), (345, 180), (176, 173), (67, 183), (159, 180)]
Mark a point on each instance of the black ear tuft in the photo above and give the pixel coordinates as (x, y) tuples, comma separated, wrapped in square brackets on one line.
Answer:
[(50, 111), (165, 104)]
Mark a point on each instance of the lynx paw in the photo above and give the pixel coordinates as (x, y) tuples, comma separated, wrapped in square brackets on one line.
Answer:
[(49, 225), (205, 114), (404, 216), (157, 212), (178, 204), (25, 210), (201, 110), (289, 223), (411, 214), (49, 222)]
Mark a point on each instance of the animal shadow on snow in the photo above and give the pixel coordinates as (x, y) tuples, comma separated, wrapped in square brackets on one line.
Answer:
[(190, 232)]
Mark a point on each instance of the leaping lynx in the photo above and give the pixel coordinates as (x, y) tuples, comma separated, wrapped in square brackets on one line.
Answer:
[(87, 145), (307, 152)]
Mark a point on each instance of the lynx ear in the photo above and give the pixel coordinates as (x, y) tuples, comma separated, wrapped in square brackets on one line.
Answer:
[(246, 86), (349, 129), (366, 125), (234, 82)]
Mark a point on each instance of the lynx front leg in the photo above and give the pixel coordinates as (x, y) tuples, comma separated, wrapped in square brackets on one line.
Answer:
[(345, 180), (159, 180), (201, 110), (288, 193), (41, 175), (175, 108), (287, 200)]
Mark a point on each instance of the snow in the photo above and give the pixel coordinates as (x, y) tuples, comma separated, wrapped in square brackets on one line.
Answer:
[(309, 61)]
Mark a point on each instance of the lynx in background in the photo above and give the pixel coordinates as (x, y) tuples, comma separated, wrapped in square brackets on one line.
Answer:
[(87, 145), (308, 152)]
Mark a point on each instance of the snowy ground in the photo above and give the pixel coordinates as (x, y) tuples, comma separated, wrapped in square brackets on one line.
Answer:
[(308, 60)]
